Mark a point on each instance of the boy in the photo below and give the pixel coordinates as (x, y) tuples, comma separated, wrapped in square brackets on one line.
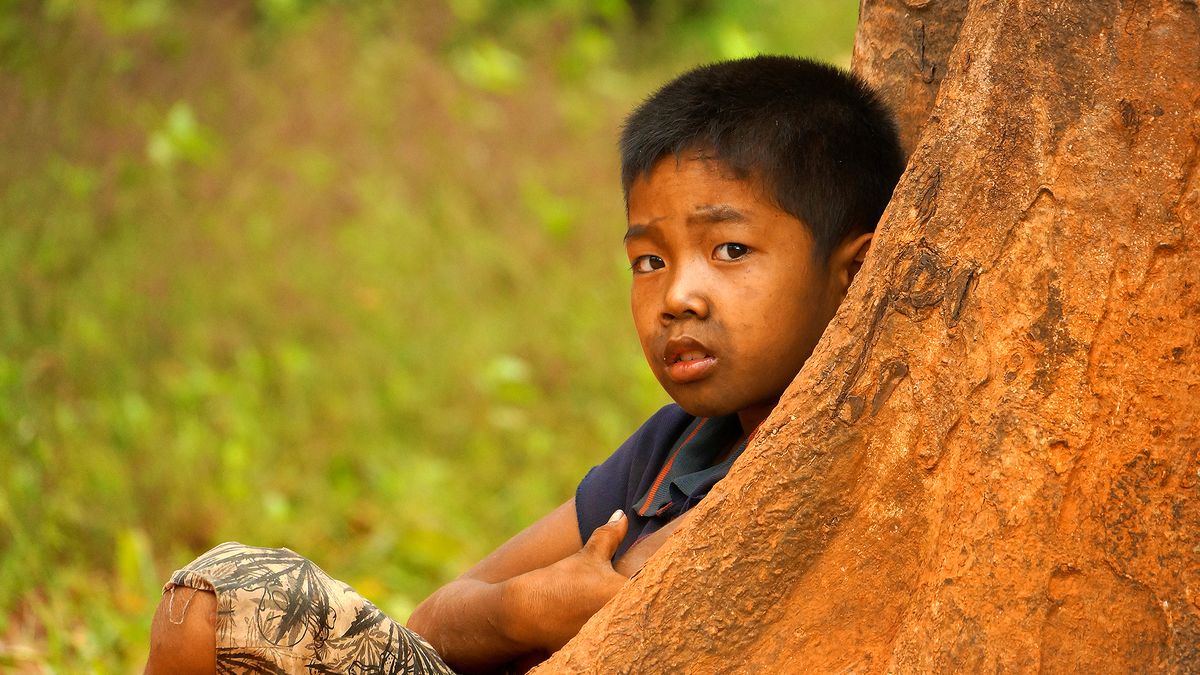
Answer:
[(752, 190)]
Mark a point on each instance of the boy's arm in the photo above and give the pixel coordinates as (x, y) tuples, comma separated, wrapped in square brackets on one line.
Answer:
[(632, 561), (530, 595)]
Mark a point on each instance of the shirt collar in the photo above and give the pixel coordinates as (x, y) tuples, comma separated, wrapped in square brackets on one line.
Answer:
[(689, 470)]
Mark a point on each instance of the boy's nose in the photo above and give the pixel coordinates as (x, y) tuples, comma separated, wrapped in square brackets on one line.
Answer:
[(684, 299)]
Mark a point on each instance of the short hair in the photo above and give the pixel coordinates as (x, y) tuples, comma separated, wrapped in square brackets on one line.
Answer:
[(821, 141)]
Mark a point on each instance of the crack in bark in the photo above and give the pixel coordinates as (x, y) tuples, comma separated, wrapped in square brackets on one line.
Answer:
[(877, 313), (958, 289), (891, 373), (927, 203)]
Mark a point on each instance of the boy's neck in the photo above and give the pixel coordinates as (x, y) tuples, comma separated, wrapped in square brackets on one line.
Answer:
[(749, 418), (753, 416)]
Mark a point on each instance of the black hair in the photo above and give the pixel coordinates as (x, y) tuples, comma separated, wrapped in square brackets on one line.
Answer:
[(823, 144)]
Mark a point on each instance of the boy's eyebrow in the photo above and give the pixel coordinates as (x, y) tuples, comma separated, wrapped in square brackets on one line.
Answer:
[(705, 214), (639, 229), (711, 214)]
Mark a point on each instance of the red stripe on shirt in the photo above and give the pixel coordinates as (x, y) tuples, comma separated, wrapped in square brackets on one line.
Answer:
[(667, 467)]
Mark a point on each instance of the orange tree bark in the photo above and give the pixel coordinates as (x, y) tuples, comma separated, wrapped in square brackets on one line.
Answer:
[(901, 48), (991, 460)]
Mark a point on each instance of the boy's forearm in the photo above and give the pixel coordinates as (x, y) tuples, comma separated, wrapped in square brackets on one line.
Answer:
[(474, 625), (478, 625)]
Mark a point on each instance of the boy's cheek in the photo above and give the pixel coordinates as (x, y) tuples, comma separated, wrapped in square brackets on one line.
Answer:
[(646, 339)]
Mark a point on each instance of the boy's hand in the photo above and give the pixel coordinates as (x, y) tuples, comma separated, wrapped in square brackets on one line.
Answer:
[(637, 555), (548, 606)]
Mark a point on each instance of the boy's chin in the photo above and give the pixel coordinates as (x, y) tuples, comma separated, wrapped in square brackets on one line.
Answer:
[(702, 408), (698, 405), (705, 399)]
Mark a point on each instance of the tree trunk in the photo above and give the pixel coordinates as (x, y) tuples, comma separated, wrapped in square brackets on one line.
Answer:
[(902, 48), (991, 460)]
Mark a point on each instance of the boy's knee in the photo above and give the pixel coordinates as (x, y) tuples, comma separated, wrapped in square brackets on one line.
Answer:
[(183, 635)]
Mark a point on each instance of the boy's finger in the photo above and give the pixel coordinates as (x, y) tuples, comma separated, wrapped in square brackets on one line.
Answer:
[(605, 539)]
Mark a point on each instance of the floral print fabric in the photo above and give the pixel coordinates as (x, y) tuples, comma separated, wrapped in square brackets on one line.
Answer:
[(277, 612)]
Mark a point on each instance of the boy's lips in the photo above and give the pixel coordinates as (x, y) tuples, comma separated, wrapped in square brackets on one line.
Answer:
[(687, 360)]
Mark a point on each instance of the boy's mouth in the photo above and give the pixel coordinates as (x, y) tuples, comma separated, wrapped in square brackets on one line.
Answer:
[(687, 360)]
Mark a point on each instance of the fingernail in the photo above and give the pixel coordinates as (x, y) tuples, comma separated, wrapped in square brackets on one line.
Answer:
[(617, 515)]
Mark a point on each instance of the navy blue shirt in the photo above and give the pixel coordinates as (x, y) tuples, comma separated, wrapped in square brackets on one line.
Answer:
[(663, 469)]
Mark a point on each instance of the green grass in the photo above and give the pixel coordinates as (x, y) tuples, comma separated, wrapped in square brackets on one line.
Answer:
[(342, 277)]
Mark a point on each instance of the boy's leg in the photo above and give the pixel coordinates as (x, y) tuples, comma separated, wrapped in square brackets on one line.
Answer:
[(183, 636), (245, 609)]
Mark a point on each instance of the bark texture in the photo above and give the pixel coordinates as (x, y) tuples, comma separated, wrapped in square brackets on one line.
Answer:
[(992, 460), (902, 48)]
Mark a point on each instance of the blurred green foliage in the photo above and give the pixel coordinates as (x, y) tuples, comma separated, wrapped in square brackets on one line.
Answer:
[(338, 276)]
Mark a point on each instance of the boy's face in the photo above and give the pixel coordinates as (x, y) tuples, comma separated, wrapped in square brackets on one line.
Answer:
[(728, 298)]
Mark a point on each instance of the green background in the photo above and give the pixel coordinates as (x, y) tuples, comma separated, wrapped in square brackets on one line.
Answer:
[(344, 277)]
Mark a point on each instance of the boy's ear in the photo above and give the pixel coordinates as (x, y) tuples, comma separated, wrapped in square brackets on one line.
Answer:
[(848, 258)]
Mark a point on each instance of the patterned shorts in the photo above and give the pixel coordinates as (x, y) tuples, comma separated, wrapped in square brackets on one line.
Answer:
[(277, 612)]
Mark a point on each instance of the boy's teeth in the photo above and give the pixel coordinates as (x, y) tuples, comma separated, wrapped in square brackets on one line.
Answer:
[(691, 356)]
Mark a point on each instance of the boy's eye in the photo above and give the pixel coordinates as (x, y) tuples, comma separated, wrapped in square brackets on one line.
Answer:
[(647, 263), (730, 251)]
